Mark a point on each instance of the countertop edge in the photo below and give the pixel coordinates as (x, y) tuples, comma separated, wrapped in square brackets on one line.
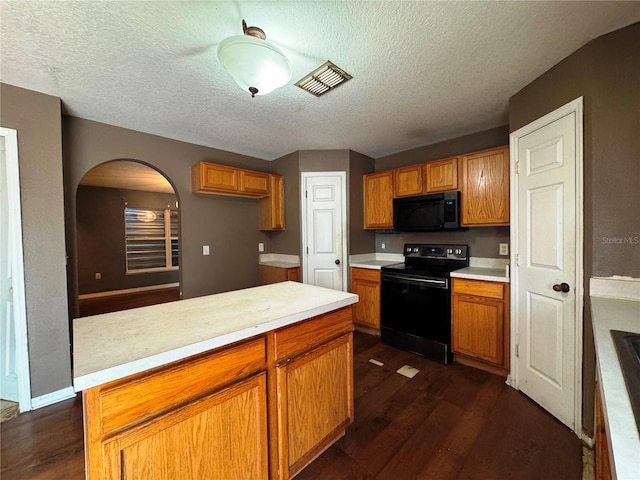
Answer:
[(101, 377), (624, 440), (481, 273)]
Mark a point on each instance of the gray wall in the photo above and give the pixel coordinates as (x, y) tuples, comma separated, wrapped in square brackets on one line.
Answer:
[(606, 72), (291, 166), (101, 238), (229, 225), (36, 117), (495, 137)]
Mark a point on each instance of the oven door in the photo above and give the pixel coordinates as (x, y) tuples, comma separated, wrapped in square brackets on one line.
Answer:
[(417, 306)]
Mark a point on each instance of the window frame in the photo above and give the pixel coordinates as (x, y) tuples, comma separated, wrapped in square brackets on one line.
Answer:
[(166, 237)]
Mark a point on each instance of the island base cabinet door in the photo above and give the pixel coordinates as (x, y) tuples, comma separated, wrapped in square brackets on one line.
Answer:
[(220, 437), (317, 402)]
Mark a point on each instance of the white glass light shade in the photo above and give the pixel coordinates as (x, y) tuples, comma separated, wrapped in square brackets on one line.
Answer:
[(253, 62)]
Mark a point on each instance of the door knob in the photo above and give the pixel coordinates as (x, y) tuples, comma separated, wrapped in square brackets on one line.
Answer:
[(561, 287), (337, 261)]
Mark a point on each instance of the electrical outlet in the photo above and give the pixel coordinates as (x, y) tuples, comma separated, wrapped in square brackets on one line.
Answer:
[(504, 249), (205, 250), (383, 246), (261, 247), (98, 276)]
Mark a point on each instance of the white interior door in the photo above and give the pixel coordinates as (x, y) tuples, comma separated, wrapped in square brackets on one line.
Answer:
[(547, 234), (14, 362), (323, 229)]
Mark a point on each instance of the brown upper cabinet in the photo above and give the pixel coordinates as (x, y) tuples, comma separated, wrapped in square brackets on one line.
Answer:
[(408, 181), (441, 175), (378, 200), (485, 187), (224, 180), (272, 207)]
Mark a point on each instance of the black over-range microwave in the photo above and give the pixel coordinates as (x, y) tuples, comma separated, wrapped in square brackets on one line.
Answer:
[(427, 213)]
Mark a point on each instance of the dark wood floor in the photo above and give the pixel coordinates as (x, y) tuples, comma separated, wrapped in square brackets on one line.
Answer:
[(448, 422), (115, 303)]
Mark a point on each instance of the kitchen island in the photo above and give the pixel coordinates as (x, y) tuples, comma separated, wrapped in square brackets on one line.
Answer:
[(252, 383)]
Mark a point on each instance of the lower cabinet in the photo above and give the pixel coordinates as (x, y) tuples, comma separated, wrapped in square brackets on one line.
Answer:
[(269, 274), (602, 459), (221, 436), (366, 283), (259, 409), (480, 323), (314, 384)]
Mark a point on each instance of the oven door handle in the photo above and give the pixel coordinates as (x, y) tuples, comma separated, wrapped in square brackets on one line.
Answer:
[(415, 281)]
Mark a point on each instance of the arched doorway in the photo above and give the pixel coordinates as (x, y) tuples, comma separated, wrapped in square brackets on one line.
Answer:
[(128, 238)]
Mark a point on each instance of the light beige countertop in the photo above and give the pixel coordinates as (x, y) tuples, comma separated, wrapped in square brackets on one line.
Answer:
[(114, 345), (482, 273), (375, 261), (624, 441), (279, 260)]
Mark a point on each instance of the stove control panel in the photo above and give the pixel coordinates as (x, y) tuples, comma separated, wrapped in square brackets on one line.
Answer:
[(446, 252)]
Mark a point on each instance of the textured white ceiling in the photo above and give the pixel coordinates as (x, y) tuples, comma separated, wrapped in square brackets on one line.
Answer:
[(423, 71)]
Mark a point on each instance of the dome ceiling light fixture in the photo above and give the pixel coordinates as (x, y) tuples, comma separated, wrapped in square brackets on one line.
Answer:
[(256, 65)]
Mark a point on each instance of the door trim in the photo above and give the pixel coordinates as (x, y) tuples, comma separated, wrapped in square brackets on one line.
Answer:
[(303, 223), (19, 299), (575, 106)]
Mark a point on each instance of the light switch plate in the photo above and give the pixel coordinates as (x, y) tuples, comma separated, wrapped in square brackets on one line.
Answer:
[(383, 246), (205, 250), (261, 247), (504, 249)]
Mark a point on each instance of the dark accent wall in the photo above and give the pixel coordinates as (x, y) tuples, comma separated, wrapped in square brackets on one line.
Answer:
[(606, 72), (229, 225), (292, 166), (482, 241), (36, 117), (494, 137), (101, 238), (360, 240)]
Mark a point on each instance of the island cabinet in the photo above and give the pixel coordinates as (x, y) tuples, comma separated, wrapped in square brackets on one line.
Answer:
[(365, 282), (480, 324), (485, 188), (204, 417), (313, 389), (272, 207), (259, 407), (441, 175), (224, 180), (378, 200)]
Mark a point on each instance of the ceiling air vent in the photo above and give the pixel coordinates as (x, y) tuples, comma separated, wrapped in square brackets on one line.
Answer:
[(324, 78)]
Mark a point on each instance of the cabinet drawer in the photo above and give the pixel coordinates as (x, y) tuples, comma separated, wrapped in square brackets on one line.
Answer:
[(146, 395), (365, 274), (478, 288), (290, 341)]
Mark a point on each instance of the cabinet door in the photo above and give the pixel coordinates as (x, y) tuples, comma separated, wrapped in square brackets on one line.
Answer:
[(272, 207), (293, 274), (485, 188), (219, 177), (316, 403), (408, 181), (478, 328), (366, 283), (254, 183), (441, 175), (221, 436), (378, 200)]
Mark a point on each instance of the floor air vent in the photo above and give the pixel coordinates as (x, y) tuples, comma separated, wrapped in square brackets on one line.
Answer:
[(324, 78)]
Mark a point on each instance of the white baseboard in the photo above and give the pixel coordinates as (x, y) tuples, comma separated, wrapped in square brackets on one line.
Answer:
[(51, 398)]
